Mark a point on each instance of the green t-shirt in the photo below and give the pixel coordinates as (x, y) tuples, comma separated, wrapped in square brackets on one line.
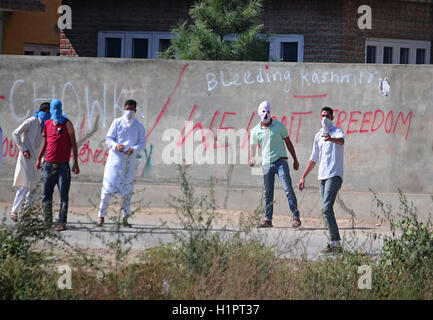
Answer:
[(270, 140)]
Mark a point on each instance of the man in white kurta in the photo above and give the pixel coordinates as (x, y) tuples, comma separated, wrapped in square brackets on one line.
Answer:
[(125, 138), (28, 138)]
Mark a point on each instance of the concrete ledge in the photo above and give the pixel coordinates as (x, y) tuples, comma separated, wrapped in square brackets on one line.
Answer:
[(246, 199)]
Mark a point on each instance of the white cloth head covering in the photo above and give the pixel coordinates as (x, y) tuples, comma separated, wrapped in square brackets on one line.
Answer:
[(128, 118), (326, 124), (264, 112)]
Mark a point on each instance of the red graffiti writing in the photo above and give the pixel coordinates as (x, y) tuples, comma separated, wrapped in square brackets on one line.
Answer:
[(310, 96), (364, 122), (86, 154), (370, 155), (198, 125), (161, 113), (10, 149)]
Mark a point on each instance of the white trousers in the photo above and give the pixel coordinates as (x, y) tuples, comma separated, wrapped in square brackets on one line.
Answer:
[(105, 202), (23, 193)]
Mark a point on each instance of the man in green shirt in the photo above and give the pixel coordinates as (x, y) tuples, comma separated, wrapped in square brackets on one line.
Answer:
[(273, 139)]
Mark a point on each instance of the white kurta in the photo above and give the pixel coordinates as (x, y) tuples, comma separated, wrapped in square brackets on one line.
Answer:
[(28, 137), (120, 168)]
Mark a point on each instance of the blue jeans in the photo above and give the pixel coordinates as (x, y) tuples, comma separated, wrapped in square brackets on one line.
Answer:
[(281, 168), (60, 174), (328, 192)]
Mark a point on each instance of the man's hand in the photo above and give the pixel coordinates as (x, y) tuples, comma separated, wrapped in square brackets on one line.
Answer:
[(301, 184), (120, 147), (339, 141), (251, 162), (26, 154), (295, 164), (327, 137), (38, 165), (75, 168)]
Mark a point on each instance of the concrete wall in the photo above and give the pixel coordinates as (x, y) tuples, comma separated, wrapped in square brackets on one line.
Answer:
[(389, 138)]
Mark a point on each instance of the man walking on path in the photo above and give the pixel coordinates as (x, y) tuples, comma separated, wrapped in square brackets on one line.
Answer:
[(58, 140), (28, 138), (328, 150), (273, 139), (125, 138)]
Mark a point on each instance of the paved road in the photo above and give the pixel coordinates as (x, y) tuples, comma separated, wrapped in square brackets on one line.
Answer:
[(159, 227)]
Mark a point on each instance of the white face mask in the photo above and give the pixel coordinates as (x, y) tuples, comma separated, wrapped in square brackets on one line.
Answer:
[(130, 117), (326, 124), (265, 112), (129, 114)]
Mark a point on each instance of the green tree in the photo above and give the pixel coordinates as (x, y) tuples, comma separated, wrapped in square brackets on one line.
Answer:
[(214, 19)]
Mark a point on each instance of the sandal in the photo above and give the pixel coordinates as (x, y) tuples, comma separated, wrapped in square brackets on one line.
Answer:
[(100, 223), (14, 216), (60, 227)]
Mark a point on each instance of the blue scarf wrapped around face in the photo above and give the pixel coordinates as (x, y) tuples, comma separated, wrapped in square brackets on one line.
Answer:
[(56, 111), (44, 116)]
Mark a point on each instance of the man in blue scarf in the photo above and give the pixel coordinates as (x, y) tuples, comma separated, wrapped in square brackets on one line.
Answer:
[(28, 138), (56, 111), (57, 143)]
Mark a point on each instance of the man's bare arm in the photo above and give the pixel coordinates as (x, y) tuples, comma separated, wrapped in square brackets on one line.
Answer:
[(310, 166), (253, 148), (291, 149), (41, 153), (339, 141)]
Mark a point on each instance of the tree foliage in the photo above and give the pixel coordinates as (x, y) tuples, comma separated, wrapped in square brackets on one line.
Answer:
[(212, 21)]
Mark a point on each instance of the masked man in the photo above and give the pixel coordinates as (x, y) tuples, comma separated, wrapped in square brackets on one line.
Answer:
[(58, 141), (28, 138), (273, 139), (125, 138), (328, 151)]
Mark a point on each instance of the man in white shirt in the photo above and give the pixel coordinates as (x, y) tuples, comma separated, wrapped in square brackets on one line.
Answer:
[(125, 138), (28, 138), (328, 150)]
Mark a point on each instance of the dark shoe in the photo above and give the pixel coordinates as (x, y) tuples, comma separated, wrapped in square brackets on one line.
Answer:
[(125, 223), (296, 222), (60, 227), (266, 224), (331, 249), (100, 223)]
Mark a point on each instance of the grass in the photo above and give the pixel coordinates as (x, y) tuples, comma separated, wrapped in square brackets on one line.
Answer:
[(204, 264)]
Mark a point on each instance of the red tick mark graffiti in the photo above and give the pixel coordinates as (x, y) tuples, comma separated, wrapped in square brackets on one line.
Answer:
[(167, 103)]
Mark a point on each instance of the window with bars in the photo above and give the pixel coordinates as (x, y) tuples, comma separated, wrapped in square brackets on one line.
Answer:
[(31, 49), (140, 45), (148, 45), (397, 51)]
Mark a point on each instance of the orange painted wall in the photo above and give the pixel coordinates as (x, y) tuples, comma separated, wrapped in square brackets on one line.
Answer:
[(30, 27)]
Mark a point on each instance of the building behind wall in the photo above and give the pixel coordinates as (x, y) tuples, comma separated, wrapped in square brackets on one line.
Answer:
[(304, 31), (29, 27)]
